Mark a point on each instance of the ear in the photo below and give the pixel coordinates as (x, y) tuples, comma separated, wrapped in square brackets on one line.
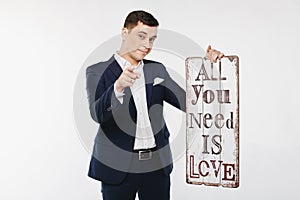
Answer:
[(124, 33)]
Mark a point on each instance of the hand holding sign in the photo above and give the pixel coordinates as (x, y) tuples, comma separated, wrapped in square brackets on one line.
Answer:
[(213, 55)]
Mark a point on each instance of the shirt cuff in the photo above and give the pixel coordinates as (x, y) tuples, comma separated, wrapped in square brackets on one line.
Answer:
[(119, 95)]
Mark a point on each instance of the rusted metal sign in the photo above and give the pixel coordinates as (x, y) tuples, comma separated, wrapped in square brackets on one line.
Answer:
[(212, 119)]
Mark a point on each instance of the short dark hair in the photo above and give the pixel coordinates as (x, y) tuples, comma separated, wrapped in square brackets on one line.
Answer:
[(134, 17)]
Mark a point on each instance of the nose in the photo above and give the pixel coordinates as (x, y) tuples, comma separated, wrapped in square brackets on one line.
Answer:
[(148, 44)]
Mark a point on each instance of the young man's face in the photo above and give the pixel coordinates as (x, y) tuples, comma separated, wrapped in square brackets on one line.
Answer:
[(138, 41)]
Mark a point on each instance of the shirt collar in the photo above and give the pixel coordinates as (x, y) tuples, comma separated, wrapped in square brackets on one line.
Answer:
[(124, 63)]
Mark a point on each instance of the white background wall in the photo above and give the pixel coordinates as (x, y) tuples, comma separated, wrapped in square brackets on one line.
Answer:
[(43, 45)]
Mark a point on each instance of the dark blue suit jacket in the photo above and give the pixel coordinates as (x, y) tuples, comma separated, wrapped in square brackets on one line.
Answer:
[(114, 142)]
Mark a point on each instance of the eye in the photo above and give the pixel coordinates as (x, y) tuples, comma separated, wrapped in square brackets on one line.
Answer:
[(152, 40), (141, 36)]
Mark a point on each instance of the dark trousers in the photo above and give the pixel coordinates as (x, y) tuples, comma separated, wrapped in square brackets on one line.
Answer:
[(149, 185)]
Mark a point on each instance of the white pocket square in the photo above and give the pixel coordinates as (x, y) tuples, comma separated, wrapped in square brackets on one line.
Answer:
[(157, 81)]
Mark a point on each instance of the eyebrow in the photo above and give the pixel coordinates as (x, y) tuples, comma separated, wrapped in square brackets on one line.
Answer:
[(143, 32), (155, 36)]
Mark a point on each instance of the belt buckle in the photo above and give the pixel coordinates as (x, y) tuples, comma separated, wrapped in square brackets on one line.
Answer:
[(145, 155)]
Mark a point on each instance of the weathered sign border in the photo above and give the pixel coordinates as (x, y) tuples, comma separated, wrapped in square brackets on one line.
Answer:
[(235, 184)]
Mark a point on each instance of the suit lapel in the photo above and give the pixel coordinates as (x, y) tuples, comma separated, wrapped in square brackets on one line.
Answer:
[(115, 68)]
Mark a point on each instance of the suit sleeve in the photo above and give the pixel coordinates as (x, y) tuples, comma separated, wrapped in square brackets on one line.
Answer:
[(174, 94), (102, 99)]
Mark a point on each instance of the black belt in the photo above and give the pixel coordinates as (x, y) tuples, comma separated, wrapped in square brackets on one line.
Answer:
[(145, 154)]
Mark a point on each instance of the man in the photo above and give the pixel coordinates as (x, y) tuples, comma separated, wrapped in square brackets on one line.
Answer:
[(131, 153)]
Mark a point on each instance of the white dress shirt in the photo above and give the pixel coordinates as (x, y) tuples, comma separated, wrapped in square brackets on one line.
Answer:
[(144, 138)]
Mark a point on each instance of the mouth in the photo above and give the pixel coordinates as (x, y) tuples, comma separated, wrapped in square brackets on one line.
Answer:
[(144, 52)]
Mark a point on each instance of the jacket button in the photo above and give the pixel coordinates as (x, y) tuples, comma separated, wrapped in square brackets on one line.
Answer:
[(109, 109)]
